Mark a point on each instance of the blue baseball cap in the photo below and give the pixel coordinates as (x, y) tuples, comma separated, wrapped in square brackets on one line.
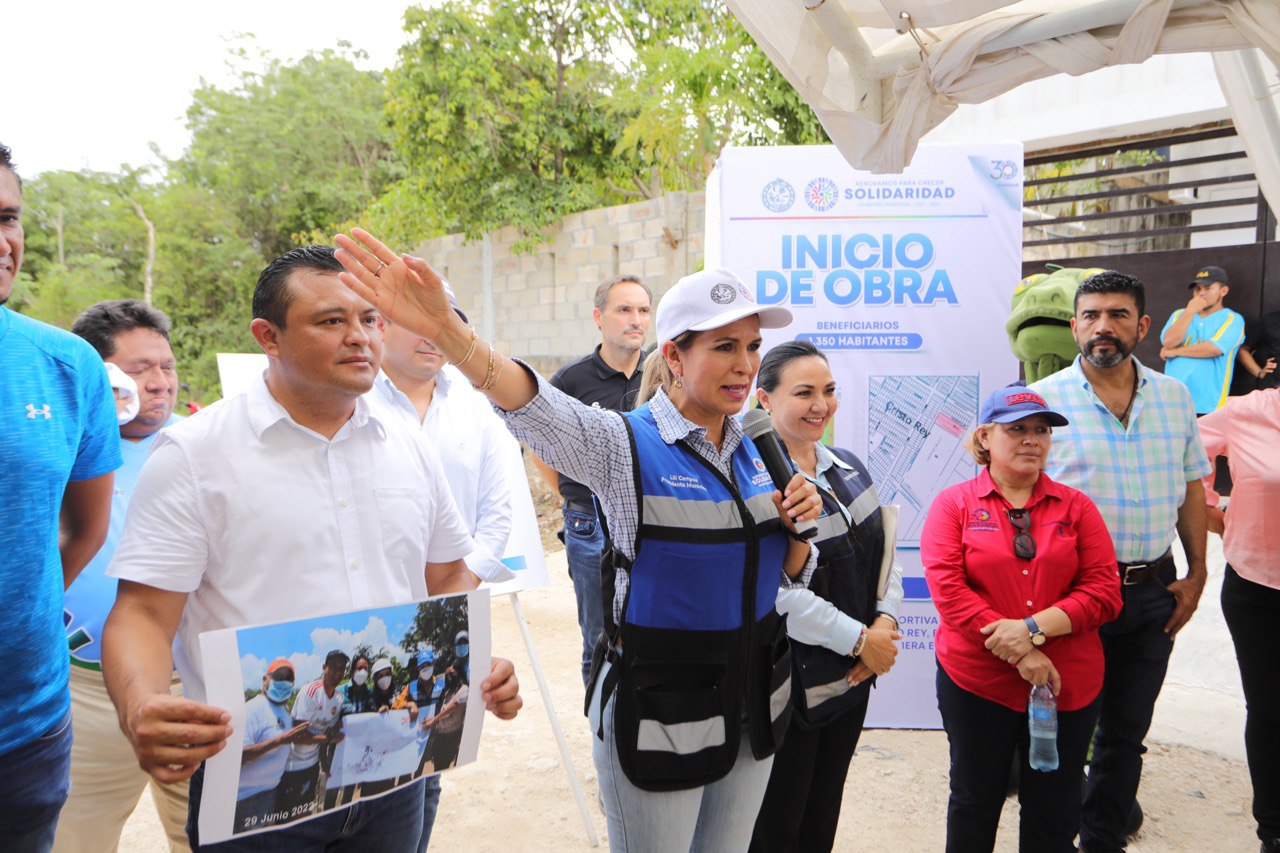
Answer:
[(1015, 403)]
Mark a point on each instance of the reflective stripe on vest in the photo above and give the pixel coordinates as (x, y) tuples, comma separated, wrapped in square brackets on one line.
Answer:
[(865, 504), (680, 738), (819, 693), (667, 511)]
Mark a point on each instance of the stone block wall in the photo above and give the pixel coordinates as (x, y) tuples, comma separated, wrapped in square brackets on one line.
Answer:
[(538, 306)]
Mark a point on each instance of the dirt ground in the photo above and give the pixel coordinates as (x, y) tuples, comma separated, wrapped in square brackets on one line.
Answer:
[(517, 796)]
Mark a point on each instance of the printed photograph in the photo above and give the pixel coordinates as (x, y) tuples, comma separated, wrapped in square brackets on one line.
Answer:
[(342, 708)]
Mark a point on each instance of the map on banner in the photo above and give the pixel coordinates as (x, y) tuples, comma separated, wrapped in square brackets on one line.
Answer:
[(915, 441)]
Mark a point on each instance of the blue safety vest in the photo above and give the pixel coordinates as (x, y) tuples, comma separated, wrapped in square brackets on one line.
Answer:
[(701, 640), (849, 556)]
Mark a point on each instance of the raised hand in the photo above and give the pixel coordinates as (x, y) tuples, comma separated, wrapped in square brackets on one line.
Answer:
[(405, 289)]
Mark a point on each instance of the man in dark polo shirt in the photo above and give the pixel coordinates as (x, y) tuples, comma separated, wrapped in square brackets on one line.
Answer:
[(608, 377)]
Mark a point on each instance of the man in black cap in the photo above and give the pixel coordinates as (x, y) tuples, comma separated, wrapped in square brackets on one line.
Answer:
[(1199, 342)]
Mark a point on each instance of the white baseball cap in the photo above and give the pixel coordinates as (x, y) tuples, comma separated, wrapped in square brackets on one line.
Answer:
[(453, 300), (708, 300)]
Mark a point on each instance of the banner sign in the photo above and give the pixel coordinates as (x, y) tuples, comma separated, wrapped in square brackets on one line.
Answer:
[(903, 281)]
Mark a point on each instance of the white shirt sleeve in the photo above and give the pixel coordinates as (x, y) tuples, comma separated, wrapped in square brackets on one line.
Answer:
[(817, 622), (303, 707), (493, 502), (450, 540), (891, 604), (164, 543)]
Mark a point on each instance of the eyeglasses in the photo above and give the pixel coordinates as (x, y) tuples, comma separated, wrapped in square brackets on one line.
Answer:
[(1023, 545)]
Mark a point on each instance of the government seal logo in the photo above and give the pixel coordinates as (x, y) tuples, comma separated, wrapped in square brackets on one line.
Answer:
[(821, 194), (778, 195), (723, 294)]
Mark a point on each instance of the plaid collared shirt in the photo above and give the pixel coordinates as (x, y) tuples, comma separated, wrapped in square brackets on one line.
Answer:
[(1137, 476), (590, 445)]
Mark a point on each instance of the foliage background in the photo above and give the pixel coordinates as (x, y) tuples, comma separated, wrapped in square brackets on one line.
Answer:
[(504, 112)]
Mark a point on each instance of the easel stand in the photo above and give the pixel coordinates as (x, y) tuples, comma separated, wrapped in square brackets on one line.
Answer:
[(555, 721)]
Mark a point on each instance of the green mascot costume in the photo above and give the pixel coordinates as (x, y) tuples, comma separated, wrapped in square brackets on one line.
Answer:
[(1039, 325)]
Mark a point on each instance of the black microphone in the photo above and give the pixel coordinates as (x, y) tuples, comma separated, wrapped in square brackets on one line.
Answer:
[(758, 426)]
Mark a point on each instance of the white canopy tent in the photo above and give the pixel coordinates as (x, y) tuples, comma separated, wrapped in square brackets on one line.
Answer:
[(882, 73)]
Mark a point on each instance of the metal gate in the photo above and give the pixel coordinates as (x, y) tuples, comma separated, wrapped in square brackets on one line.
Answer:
[(1159, 208)]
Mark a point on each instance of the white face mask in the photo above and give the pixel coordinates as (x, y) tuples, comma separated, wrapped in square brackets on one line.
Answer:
[(360, 676), (384, 682)]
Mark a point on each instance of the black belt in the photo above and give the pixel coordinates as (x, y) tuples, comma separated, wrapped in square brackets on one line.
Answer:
[(588, 507), (1132, 574)]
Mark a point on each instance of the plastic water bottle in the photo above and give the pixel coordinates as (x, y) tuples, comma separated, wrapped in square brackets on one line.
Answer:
[(1042, 719)]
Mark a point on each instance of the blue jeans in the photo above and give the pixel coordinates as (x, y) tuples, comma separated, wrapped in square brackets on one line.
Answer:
[(391, 823), (34, 781), (1136, 650), (429, 808), (583, 544), (715, 817)]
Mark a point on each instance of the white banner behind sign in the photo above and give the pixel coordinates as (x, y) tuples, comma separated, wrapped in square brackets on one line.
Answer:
[(524, 546), (903, 281)]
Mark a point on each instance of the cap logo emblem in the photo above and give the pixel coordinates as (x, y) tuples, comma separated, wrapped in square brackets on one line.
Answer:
[(1202, 274), (723, 294), (1025, 397)]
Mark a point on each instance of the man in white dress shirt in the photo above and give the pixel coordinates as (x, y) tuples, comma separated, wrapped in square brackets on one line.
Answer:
[(284, 502), (416, 386)]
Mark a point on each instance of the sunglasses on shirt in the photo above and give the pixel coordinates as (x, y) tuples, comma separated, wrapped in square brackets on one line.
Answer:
[(1023, 545)]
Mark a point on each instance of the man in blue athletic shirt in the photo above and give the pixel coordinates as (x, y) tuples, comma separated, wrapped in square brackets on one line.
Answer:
[(106, 781), (58, 449), (1199, 342)]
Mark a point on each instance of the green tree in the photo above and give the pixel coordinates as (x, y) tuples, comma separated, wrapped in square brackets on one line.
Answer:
[(205, 273), (84, 242), (696, 84), (436, 624), (500, 112), (292, 147)]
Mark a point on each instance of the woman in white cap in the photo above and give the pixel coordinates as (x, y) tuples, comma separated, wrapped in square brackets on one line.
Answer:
[(691, 688)]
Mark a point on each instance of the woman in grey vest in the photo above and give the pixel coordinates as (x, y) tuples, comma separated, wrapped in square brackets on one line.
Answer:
[(843, 628)]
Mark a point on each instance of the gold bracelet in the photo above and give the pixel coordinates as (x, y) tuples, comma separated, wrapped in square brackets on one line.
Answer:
[(475, 336), (488, 375), (861, 644), (501, 361)]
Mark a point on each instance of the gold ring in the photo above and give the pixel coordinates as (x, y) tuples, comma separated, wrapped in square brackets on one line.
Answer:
[(378, 272)]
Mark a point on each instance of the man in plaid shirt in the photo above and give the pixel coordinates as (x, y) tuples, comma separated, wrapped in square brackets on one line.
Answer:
[(1133, 446)]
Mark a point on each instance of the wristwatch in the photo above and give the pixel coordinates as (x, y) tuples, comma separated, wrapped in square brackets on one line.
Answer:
[(1037, 638)]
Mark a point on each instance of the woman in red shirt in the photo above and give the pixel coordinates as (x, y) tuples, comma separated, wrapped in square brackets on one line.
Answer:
[(1023, 572)]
